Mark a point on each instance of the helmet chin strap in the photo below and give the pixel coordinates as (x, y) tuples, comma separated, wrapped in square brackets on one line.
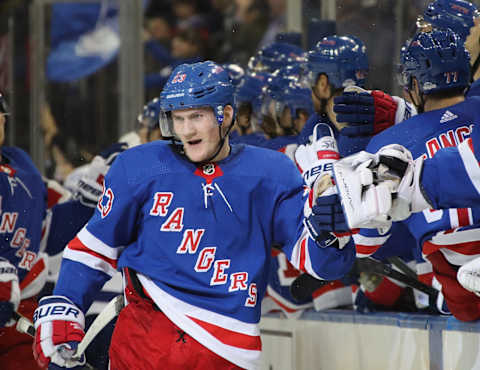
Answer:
[(220, 144)]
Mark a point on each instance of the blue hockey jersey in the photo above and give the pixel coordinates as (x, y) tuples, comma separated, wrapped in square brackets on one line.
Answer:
[(199, 238), (458, 168), (23, 200), (451, 170), (424, 135)]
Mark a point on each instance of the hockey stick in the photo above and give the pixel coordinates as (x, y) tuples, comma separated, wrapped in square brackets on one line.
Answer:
[(377, 267), (111, 310), (304, 285), (23, 325), (402, 266)]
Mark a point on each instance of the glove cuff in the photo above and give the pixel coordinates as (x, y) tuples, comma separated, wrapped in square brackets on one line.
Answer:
[(57, 308), (420, 199)]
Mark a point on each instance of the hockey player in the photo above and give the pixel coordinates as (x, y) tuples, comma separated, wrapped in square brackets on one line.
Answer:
[(463, 18), (23, 203), (286, 107), (29, 232), (275, 56), (437, 65), (248, 102), (191, 224), (436, 181), (337, 63)]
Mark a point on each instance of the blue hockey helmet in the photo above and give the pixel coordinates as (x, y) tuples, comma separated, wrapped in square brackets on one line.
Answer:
[(362, 53), (298, 97), (273, 96), (438, 61), (249, 91), (202, 84), (342, 58), (458, 15), (150, 114), (274, 56), (235, 72), (286, 91)]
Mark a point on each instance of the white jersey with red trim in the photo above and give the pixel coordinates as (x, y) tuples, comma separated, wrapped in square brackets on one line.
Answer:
[(199, 238)]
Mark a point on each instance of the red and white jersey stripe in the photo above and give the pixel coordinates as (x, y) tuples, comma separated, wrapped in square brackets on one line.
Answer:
[(92, 252), (235, 340)]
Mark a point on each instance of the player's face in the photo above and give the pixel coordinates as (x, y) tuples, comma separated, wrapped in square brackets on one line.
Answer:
[(300, 120), (2, 128), (286, 118), (197, 129)]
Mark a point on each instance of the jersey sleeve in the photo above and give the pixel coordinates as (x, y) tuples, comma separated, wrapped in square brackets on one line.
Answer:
[(348, 145), (368, 241), (61, 232), (451, 179), (289, 231), (90, 259)]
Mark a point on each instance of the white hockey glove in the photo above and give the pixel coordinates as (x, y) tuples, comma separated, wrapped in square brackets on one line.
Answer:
[(366, 184), (59, 328), (364, 203), (317, 156), (469, 276), (9, 293), (90, 185), (410, 192)]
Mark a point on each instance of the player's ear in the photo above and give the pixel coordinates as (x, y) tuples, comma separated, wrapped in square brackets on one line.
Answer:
[(227, 115)]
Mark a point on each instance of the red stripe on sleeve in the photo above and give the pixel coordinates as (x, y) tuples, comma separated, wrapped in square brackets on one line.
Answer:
[(366, 249), (77, 245), (302, 255), (463, 219)]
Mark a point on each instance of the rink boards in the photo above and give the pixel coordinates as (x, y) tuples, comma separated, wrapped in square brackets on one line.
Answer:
[(340, 339)]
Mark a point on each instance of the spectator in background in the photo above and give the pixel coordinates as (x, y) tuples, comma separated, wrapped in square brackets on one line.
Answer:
[(159, 28), (216, 16), (157, 35), (188, 46), (277, 22), (245, 23), (188, 16)]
